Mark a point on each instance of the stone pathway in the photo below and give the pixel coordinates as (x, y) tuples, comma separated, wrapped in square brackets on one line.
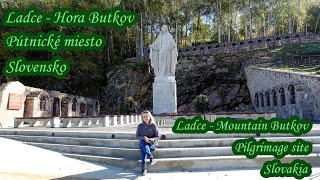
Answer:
[(23, 162)]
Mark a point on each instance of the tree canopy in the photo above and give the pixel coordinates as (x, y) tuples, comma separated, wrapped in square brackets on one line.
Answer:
[(190, 22)]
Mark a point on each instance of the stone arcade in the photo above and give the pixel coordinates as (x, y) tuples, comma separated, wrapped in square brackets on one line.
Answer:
[(17, 100)]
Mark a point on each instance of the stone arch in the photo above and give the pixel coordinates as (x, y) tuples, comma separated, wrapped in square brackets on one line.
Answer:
[(250, 42), (42, 97), (267, 98), (274, 98), (241, 43), (287, 37), (43, 101), (282, 97), (217, 46), (256, 99), (292, 93), (202, 48), (187, 50), (66, 105), (297, 36), (209, 47), (278, 38), (83, 106), (268, 40), (233, 44), (180, 50), (194, 49), (259, 41), (262, 99), (37, 104)]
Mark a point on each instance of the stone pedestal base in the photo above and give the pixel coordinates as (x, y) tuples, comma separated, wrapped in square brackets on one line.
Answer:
[(164, 97)]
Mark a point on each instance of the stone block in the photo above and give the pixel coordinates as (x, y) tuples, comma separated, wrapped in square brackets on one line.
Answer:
[(105, 121), (114, 120), (55, 122), (126, 119), (164, 97), (120, 120), (17, 123)]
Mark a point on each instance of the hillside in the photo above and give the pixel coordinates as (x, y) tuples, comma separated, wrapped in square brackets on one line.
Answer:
[(220, 77)]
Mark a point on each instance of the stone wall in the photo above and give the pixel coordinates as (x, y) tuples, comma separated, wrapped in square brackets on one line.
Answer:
[(246, 45), (222, 79), (7, 115), (289, 93)]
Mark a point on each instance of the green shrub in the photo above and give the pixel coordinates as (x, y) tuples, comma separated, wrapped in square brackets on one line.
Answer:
[(128, 105), (201, 103)]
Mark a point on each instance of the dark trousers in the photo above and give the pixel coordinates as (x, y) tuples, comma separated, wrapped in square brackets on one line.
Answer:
[(145, 150)]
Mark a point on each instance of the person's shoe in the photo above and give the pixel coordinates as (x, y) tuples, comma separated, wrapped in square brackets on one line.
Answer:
[(152, 161), (144, 172)]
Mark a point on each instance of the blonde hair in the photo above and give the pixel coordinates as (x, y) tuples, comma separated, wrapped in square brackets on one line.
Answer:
[(151, 118)]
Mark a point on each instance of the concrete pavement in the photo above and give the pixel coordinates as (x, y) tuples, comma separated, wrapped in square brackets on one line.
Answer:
[(23, 162)]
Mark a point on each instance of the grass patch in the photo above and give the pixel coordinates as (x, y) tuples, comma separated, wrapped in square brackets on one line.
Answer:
[(301, 49)]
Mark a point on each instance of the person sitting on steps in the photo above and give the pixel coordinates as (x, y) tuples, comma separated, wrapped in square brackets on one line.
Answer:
[(148, 135)]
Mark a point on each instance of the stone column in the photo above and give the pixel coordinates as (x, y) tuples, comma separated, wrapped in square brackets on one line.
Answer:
[(137, 118), (126, 121), (121, 119), (105, 121), (131, 119), (114, 121), (55, 122)]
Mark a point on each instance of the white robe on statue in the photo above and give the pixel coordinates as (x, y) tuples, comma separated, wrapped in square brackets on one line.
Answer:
[(163, 55)]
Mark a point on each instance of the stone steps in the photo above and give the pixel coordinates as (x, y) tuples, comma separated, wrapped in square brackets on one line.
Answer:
[(186, 152), (131, 136), (133, 144), (197, 163), (135, 154)]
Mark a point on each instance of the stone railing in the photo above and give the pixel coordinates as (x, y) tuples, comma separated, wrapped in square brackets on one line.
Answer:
[(160, 119), (104, 121), (37, 121), (244, 45), (239, 115), (117, 120)]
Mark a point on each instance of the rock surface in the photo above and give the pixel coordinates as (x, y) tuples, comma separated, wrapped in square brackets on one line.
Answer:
[(221, 78)]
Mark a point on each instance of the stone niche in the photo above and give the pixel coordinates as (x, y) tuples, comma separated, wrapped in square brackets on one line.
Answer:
[(37, 104), (81, 107), (12, 98), (68, 106), (93, 107)]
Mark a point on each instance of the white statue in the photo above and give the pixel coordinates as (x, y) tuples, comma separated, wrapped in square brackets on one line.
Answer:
[(163, 55)]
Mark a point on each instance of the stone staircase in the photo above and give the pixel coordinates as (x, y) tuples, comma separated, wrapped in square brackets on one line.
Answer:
[(176, 152)]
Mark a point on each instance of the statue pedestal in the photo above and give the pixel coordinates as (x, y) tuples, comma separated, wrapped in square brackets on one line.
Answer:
[(164, 97)]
